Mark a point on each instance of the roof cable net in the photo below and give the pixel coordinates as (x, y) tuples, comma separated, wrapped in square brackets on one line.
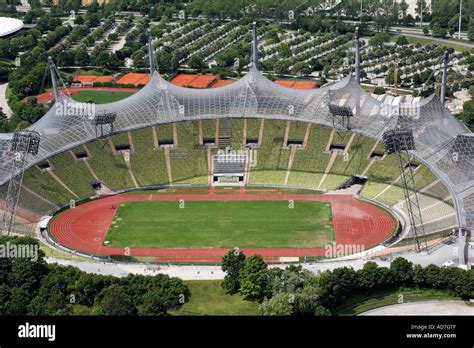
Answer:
[(442, 143)]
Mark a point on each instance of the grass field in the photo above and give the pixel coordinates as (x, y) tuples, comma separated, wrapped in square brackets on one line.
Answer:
[(358, 304), (244, 224), (50, 252), (208, 298), (100, 97)]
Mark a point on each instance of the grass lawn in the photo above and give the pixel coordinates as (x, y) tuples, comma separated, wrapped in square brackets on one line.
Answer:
[(228, 224), (208, 298), (358, 304), (50, 252), (100, 97)]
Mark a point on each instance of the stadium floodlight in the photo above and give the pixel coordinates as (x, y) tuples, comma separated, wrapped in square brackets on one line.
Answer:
[(105, 118), (343, 111), (397, 140), (341, 118), (101, 120), (400, 141), (24, 142)]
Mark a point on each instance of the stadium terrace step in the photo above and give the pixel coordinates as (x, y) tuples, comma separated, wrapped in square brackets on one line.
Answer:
[(181, 152), (225, 133)]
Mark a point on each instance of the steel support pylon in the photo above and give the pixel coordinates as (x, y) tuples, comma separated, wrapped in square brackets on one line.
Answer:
[(411, 198), (24, 142), (13, 193)]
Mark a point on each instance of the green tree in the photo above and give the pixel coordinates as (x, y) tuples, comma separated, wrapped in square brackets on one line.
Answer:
[(19, 301), (402, 270), (5, 49), (468, 113), (307, 302), (463, 284), (281, 67), (82, 57), (255, 287), (139, 59), (422, 9), (439, 32), (334, 286), (433, 278), (470, 31), (371, 276), (5, 269), (252, 265), (114, 301), (284, 51), (53, 297), (52, 302), (5, 294), (379, 90), (280, 304), (65, 58), (153, 304), (254, 279), (390, 78), (379, 39), (26, 273), (301, 68), (232, 264), (402, 41), (196, 62), (79, 20), (88, 286), (403, 9), (166, 61), (290, 280)]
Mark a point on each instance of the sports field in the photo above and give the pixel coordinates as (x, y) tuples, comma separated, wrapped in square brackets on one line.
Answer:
[(100, 97), (259, 221), (226, 224)]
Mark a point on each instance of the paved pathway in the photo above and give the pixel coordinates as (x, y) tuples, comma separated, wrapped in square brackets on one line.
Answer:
[(436, 39), (434, 307), (186, 272)]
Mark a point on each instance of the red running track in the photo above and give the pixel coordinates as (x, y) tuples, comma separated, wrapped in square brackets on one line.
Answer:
[(48, 96), (356, 223)]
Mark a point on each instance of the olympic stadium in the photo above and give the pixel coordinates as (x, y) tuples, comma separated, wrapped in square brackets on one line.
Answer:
[(325, 150)]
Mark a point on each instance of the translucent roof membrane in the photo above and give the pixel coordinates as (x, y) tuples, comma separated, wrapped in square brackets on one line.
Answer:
[(442, 142)]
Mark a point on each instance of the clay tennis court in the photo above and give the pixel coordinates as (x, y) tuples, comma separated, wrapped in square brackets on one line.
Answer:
[(84, 228)]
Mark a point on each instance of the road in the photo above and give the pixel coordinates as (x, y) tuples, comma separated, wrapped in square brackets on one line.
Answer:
[(418, 31), (433, 307), (411, 33)]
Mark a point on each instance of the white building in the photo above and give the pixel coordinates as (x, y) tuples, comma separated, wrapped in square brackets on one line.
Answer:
[(9, 26)]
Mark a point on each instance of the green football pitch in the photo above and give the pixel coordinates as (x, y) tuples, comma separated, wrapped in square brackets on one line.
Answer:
[(100, 97), (227, 224)]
